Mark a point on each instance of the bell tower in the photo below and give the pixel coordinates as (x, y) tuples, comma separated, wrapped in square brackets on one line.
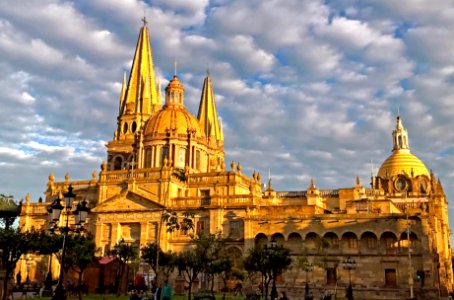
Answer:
[(139, 100), (208, 118), (400, 136)]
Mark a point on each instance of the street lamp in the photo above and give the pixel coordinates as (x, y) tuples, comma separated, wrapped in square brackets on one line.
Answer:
[(80, 215), (349, 264), (273, 245)]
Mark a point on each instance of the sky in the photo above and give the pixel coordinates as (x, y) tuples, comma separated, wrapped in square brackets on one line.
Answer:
[(305, 88)]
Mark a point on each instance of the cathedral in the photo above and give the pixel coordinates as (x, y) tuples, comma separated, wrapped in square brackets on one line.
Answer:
[(393, 231)]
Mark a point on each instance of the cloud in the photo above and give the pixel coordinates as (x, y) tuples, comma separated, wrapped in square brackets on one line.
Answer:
[(308, 89)]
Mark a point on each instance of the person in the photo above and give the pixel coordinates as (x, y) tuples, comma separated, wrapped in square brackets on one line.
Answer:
[(167, 291), (18, 278), (134, 295), (157, 292), (284, 296), (238, 289), (260, 286)]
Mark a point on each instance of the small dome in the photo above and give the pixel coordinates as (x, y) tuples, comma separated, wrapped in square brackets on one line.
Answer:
[(175, 84), (402, 162), (172, 120)]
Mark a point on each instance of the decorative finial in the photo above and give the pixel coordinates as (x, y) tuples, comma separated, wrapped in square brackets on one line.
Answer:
[(208, 72), (27, 198), (144, 20), (358, 182), (312, 184), (233, 165), (398, 111), (175, 67), (239, 167), (67, 177)]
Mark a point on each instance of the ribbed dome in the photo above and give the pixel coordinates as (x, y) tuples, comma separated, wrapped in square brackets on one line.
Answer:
[(402, 162), (172, 119)]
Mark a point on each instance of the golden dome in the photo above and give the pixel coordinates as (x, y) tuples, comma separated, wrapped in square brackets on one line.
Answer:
[(173, 120), (402, 162)]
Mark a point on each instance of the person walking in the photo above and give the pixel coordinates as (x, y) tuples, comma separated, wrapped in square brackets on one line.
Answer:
[(167, 291), (284, 296)]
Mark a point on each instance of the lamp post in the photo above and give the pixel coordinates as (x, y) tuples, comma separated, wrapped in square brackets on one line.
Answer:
[(349, 264), (273, 294), (308, 267), (80, 215), (410, 267)]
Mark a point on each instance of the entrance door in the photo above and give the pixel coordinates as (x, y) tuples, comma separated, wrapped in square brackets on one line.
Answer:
[(331, 278), (390, 278)]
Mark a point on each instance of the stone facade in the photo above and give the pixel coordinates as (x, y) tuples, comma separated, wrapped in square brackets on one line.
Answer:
[(163, 158)]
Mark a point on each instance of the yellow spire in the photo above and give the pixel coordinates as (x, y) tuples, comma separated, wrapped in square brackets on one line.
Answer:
[(207, 115), (146, 109), (141, 89), (123, 91)]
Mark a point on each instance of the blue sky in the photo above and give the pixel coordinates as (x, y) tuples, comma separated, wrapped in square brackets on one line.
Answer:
[(308, 89)]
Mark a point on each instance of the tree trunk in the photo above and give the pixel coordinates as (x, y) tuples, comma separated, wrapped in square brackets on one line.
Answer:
[(118, 279), (79, 290), (6, 281), (212, 284), (190, 289), (267, 284)]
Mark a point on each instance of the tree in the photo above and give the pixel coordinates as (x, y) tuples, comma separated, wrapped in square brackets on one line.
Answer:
[(125, 253), (167, 260), (216, 259), (205, 256), (13, 244), (80, 253), (173, 222), (270, 262), (190, 264), (9, 210)]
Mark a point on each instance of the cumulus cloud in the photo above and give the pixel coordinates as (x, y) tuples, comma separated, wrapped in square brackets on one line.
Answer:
[(306, 89)]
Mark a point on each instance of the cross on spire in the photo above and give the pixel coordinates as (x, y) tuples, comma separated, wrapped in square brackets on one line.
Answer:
[(144, 20)]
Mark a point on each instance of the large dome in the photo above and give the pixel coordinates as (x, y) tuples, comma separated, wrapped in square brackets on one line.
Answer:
[(402, 162), (172, 120)]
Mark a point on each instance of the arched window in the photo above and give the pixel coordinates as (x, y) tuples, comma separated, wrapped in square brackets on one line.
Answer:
[(261, 240), (279, 238), (332, 239), (197, 159), (147, 163), (388, 242), (134, 127), (350, 241), (181, 158), (311, 241), (164, 154), (368, 241), (117, 163)]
